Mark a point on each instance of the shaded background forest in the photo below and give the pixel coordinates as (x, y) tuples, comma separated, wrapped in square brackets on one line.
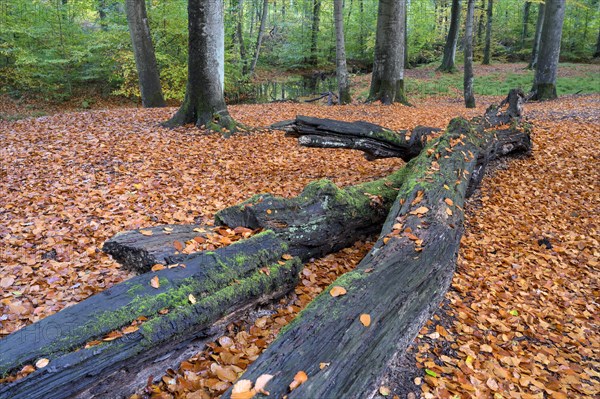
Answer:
[(56, 48)]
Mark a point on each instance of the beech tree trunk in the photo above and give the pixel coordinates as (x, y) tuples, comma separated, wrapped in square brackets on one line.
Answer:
[(544, 83), (240, 36), (538, 34), (488, 34), (524, 31), (387, 81), (204, 102), (143, 51), (448, 64), (313, 58), (468, 50), (259, 38), (597, 52), (340, 54), (344, 343)]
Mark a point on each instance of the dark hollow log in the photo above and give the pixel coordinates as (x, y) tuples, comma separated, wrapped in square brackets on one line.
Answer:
[(222, 283), (399, 284), (138, 252), (376, 141)]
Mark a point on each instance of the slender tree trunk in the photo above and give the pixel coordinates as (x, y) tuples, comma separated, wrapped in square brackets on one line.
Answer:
[(340, 54), (597, 53), (204, 102), (538, 34), (261, 32), (143, 51), (468, 46), (240, 37), (313, 59), (488, 34), (480, 23), (451, 39), (361, 32), (387, 81), (524, 32), (544, 84)]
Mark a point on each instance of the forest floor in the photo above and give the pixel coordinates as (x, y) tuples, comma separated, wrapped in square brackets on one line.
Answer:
[(520, 321)]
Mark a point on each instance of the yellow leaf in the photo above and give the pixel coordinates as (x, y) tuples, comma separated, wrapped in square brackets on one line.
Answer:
[(146, 232), (469, 360), (43, 362), (242, 390), (287, 256), (154, 282), (449, 211), (192, 299), (137, 186), (158, 267), (261, 383), (365, 319), (130, 329), (337, 291), (384, 391)]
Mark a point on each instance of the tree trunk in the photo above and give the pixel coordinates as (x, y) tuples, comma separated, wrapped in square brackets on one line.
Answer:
[(488, 34), (143, 51), (313, 59), (340, 54), (240, 37), (261, 32), (544, 84), (524, 31), (344, 343), (387, 81), (176, 320), (597, 52), (468, 50), (538, 35), (451, 39), (480, 22), (204, 103)]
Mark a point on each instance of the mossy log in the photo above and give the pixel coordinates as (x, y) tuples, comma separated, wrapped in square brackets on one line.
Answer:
[(138, 252), (374, 140), (344, 343), (212, 287)]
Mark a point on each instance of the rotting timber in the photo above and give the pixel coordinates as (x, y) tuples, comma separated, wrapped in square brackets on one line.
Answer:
[(410, 268)]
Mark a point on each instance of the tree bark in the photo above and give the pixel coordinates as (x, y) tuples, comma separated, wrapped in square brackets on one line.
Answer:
[(451, 40), (398, 285), (261, 32), (538, 34), (387, 81), (143, 51), (468, 50), (597, 52), (204, 102), (488, 34), (240, 36), (222, 284), (544, 84), (340, 54)]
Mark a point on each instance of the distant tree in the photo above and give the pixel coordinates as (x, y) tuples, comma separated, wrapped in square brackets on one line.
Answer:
[(468, 50), (143, 51), (488, 34), (240, 36), (597, 53), (204, 102), (526, 8), (259, 38), (451, 39), (313, 59), (340, 54), (544, 83), (538, 34), (387, 80)]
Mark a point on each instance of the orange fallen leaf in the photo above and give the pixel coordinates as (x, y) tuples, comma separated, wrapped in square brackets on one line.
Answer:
[(242, 390), (178, 245), (146, 232), (130, 329), (155, 283), (299, 379), (41, 363), (384, 391), (287, 256), (337, 291), (449, 201), (420, 211), (324, 365), (261, 383), (365, 319), (158, 267)]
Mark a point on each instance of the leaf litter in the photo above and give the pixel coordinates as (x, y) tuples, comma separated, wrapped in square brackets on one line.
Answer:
[(91, 173)]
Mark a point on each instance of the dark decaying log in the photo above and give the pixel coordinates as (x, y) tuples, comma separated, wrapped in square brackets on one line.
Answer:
[(496, 115), (376, 141), (138, 252), (399, 284), (222, 283)]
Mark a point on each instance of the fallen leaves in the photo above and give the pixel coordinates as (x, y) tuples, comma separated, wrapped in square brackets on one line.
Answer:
[(299, 379), (41, 363), (365, 319), (154, 282), (337, 291)]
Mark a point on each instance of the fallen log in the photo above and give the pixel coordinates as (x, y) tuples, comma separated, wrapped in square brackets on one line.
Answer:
[(376, 141), (343, 343), (177, 309)]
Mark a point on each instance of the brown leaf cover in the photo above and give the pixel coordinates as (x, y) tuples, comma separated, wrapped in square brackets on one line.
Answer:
[(71, 181)]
